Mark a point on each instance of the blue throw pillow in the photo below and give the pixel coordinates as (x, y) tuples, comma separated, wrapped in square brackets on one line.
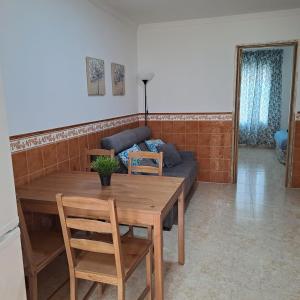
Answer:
[(153, 144), (124, 156)]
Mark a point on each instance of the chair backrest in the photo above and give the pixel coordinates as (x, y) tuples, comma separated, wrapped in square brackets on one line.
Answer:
[(26, 243), (82, 213), (143, 168), (96, 152)]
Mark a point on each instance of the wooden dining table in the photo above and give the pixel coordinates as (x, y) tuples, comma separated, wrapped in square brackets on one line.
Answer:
[(141, 200)]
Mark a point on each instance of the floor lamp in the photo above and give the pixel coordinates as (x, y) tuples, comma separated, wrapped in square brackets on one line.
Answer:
[(145, 78)]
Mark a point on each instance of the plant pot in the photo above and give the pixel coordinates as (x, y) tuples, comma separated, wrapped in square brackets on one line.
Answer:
[(105, 179)]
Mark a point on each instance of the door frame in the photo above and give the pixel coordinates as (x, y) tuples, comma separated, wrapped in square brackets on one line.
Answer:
[(236, 112)]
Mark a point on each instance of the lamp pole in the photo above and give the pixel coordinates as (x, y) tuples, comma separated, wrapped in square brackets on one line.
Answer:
[(145, 78), (145, 81)]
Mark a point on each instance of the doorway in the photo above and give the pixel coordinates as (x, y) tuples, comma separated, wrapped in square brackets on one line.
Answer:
[(264, 109)]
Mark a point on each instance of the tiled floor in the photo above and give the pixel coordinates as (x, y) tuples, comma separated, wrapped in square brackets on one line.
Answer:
[(242, 242)]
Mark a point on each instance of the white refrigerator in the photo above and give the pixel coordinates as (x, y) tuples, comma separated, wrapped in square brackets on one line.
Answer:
[(12, 282)]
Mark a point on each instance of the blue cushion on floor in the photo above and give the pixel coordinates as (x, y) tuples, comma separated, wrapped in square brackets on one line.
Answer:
[(281, 138)]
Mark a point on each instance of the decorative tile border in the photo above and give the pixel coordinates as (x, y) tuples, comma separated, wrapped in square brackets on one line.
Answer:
[(39, 140), (33, 141), (189, 117)]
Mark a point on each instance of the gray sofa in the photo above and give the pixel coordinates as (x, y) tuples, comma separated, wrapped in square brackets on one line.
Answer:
[(187, 169)]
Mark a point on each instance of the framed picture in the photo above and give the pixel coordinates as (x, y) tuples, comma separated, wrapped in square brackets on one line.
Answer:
[(95, 76), (118, 79)]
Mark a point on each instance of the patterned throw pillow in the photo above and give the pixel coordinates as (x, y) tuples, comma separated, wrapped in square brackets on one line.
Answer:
[(124, 156), (152, 144)]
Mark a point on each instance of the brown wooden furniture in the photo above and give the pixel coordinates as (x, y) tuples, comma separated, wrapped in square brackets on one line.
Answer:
[(102, 261), (96, 152), (40, 248), (142, 168), (139, 201), (158, 170)]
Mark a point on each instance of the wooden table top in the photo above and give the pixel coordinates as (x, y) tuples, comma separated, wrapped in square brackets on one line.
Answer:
[(150, 194)]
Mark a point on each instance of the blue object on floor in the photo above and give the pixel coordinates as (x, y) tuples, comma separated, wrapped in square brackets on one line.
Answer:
[(281, 139)]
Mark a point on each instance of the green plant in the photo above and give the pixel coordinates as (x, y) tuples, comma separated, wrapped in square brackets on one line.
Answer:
[(105, 165)]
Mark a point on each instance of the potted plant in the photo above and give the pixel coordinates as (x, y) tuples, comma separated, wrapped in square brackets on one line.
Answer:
[(105, 166)]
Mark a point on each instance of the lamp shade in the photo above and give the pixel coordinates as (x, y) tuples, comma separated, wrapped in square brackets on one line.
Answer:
[(146, 76)]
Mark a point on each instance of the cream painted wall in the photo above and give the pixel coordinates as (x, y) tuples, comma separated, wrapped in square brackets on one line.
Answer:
[(43, 45), (194, 60), (8, 211)]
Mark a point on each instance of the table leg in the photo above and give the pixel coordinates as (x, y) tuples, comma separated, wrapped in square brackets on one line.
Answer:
[(158, 258), (181, 255)]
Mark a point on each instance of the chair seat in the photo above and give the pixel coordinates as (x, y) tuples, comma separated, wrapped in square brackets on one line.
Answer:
[(103, 266), (46, 246)]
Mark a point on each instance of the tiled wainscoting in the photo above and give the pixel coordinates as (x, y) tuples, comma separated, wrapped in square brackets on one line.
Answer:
[(35, 155), (296, 155), (208, 135)]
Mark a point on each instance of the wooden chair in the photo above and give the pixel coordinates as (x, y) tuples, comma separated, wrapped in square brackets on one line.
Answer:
[(145, 169), (101, 260), (40, 248), (96, 152)]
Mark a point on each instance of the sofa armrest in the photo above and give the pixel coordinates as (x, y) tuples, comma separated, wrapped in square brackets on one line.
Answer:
[(187, 155)]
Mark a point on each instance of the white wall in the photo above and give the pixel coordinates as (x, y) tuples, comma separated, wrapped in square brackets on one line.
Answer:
[(194, 60), (43, 45), (8, 208), (12, 283), (287, 68)]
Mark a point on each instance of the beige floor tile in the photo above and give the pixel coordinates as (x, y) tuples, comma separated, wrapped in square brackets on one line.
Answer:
[(242, 241)]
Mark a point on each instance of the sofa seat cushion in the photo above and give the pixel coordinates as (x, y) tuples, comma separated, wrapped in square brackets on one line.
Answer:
[(187, 169), (187, 155)]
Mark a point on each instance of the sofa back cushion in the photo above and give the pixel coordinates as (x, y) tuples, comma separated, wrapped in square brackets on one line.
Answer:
[(125, 139), (142, 133), (171, 155)]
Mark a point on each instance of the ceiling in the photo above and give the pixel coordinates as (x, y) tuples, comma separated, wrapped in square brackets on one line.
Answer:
[(152, 11)]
